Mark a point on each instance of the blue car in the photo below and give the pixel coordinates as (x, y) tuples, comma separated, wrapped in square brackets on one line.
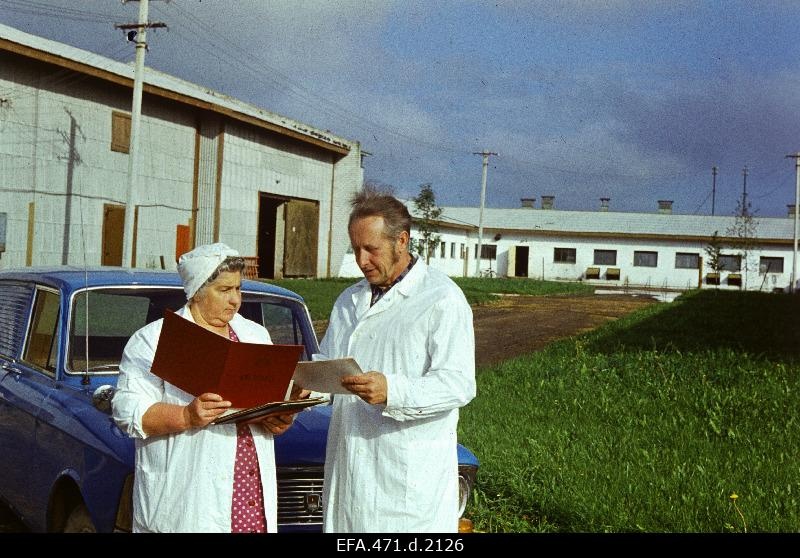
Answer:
[(65, 466)]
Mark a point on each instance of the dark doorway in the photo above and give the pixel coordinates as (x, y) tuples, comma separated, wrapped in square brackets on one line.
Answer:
[(267, 222), (287, 237), (521, 261)]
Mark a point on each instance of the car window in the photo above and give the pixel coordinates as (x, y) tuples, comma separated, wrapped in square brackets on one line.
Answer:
[(41, 345), (114, 314), (102, 321), (283, 319)]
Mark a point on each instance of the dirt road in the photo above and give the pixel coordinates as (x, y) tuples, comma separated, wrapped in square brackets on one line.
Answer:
[(517, 325)]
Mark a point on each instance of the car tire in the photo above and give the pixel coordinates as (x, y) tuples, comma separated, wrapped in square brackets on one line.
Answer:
[(79, 521)]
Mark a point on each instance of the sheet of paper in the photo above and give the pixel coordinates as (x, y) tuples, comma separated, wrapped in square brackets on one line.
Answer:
[(324, 376)]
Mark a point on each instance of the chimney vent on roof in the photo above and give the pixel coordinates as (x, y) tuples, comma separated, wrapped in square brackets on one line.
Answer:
[(548, 202), (665, 206), (604, 204), (528, 202), (792, 209)]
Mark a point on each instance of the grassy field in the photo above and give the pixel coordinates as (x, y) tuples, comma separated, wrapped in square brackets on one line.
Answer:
[(320, 294), (682, 417)]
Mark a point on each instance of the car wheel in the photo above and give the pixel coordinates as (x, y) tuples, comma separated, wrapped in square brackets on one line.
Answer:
[(79, 521)]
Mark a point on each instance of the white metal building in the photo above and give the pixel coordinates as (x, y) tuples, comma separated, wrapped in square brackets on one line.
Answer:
[(659, 250), (212, 169)]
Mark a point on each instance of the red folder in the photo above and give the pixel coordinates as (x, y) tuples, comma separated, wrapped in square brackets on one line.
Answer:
[(198, 361)]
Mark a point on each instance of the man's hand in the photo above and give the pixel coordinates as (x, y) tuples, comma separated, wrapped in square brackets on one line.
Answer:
[(299, 393), (203, 409), (371, 387)]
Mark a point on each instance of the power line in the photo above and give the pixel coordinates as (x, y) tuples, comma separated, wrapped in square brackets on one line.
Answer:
[(239, 57), (42, 9)]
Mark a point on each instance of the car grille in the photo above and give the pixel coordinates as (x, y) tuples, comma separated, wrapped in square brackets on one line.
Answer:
[(300, 496)]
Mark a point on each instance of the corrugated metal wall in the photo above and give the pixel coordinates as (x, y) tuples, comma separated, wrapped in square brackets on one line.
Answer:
[(210, 136)]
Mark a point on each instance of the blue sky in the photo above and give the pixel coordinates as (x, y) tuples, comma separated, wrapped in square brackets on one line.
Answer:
[(630, 100)]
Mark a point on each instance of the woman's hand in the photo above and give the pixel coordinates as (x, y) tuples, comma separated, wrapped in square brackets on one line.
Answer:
[(204, 409), (278, 424)]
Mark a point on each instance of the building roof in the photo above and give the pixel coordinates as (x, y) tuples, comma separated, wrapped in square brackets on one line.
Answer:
[(165, 85), (553, 222)]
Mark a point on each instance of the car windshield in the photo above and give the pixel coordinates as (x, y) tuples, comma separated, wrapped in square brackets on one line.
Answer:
[(101, 328)]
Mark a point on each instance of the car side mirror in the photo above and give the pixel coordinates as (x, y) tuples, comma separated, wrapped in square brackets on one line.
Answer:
[(101, 398)]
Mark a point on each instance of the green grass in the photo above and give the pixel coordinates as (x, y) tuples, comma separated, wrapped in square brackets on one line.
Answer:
[(319, 294), (480, 290), (647, 424)]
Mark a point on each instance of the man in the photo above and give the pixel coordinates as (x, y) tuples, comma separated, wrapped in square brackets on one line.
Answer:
[(391, 463)]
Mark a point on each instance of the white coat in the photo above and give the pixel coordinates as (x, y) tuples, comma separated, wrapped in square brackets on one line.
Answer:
[(184, 482), (394, 467)]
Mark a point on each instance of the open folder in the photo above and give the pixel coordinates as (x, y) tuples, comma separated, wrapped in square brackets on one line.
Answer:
[(249, 375)]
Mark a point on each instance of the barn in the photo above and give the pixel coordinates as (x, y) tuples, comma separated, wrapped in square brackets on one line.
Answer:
[(211, 169)]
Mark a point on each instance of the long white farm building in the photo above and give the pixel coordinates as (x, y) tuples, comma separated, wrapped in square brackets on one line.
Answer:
[(656, 250)]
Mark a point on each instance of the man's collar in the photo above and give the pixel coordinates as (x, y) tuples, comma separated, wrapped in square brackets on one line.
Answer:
[(378, 292)]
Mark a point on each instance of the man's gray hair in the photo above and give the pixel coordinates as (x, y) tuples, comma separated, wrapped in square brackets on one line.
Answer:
[(371, 202)]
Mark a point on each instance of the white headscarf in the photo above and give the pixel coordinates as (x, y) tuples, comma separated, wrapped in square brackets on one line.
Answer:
[(196, 267)]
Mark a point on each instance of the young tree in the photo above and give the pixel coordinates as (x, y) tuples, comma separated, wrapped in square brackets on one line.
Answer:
[(714, 252), (427, 222), (743, 232)]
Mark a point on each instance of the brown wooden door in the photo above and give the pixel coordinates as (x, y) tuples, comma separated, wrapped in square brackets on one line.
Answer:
[(182, 243), (300, 239), (113, 229)]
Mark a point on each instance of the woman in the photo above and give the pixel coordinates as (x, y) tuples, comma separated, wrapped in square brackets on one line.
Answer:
[(192, 476)]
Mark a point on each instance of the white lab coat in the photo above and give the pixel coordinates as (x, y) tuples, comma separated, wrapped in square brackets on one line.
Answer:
[(184, 482), (394, 467)]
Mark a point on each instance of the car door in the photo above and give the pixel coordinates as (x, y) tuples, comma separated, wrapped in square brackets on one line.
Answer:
[(25, 383)]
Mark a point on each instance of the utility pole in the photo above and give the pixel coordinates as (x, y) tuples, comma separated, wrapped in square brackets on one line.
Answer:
[(796, 157), (485, 155), (713, 187), (139, 32), (744, 190)]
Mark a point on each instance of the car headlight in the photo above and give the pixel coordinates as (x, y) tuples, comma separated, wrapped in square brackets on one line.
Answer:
[(466, 479)]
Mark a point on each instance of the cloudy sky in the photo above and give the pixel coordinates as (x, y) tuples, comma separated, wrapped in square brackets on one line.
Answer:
[(632, 100)]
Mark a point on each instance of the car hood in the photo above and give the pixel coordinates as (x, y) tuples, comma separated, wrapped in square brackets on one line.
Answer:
[(304, 443)]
